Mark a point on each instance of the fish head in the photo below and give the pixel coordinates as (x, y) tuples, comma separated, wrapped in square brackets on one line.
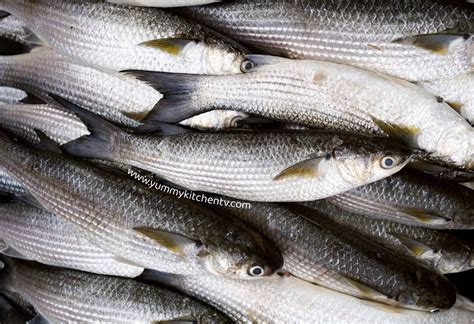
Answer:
[(221, 57), (241, 254), (361, 161), (433, 294)]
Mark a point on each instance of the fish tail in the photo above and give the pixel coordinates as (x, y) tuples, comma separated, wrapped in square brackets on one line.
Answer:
[(178, 90), (96, 145), (3, 14)]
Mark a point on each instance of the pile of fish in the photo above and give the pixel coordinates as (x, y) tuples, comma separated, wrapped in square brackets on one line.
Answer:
[(249, 161)]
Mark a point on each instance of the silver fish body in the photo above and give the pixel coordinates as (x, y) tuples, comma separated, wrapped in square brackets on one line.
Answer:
[(148, 229), (374, 35), (72, 296), (148, 38), (323, 95), (323, 252), (457, 91), (13, 36), (116, 97), (11, 95), (40, 236), (9, 184), (266, 166), (413, 199), (445, 251), (292, 300), (59, 125)]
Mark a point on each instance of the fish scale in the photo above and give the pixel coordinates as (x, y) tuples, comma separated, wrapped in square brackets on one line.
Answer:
[(113, 96), (106, 209), (446, 251), (358, 33), (94, 32), (72, 296)]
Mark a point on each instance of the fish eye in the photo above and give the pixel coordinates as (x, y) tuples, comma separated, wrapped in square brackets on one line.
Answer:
[(247, 66), (435, 310), (388, 162), (256, 270)]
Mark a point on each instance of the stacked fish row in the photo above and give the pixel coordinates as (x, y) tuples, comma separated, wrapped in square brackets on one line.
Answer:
[(344, 140)]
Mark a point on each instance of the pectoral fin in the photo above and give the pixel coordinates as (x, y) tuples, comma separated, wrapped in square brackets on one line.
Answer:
[(435, 43), (174, 242), (172, 46), (305, 169), (416, 248), (425, 216), (455, 105), (13, 253), (406, 134), (366, 291)]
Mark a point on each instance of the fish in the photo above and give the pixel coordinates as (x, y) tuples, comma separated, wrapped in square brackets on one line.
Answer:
[(215, 120), (11, 95), (414, 199), (148, 38), (14, 36), (321, 251), (9, 185), (415, 40), (162, 3), (322, 95), (123, 100), (57, 124), (444, 251), (258, 166), (457, 92), (149, 229), (95, 298), (34, 234), (287, 299)]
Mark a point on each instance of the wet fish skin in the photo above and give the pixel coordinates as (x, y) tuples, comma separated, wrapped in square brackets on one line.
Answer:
[(413, 199), (13, 36), (10, 185), (292, 300), (445, 251), (322, 95), (59, 125), (321, 251), (266, 166), (151, 39), (11, 95), (358, 33), (40, 236), (100, 298), (162, 3), (127, 220), (11, 314), (118, 98), (457, 91)]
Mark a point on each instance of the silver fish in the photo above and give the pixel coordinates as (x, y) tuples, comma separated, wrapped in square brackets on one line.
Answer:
[(35, 234), (292, 300), (457, 92), (147, 229), (322, 95), (118, 98), (413, 199), (321, 251), (11, 95), (10, 314), (148, 38), (59, 125), (445, 251), (414, 39), (71, 296), (216, 119), (10, 185), (267, 166), (162, 3)]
